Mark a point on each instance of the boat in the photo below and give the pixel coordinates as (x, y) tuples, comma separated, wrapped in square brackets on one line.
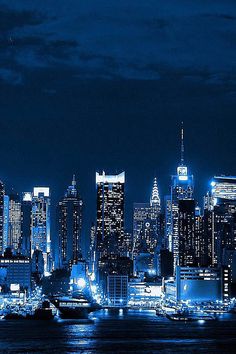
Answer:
[(185, 316), (74, 307)]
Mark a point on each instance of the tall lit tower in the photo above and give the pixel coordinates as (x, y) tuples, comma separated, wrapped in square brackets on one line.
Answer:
[(110, 212), (220, 219), (70, 224), (146, 223), (26, 210), (155, 198), (14, 228), (181, 188), (2, 193), (40, 232)]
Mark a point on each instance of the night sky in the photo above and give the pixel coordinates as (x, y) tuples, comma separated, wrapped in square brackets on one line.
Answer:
[(92, 85)]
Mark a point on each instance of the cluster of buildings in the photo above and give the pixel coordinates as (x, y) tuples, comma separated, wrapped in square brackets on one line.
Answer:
[(176, 249)]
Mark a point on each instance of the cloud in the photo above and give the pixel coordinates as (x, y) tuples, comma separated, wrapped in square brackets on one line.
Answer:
[(10, 76), (11, 19), (112, 39)]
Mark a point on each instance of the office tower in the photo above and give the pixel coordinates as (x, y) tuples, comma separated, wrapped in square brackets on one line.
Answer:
[(181, 188), (40, 232), (220, 217), (147, 233), (147, 223), (5, 221), (200, 243), (223, 188), (26, 209), (14, 219), (70, 224), (110, 212), (155, 201), (2, 193), (155, 215), (187, 242), (168, 223), (92, 251)]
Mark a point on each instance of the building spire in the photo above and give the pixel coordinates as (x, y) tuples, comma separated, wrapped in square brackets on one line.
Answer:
[(155, 198), (73, 181), (182, 143)]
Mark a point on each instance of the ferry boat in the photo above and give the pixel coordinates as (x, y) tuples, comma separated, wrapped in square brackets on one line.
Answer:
[(74, 307), (190, 317)]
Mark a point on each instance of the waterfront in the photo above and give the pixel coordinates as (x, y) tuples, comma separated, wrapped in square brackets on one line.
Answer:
[(134, 332)]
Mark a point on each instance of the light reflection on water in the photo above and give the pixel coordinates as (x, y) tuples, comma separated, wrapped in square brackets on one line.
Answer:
[(119, 332)]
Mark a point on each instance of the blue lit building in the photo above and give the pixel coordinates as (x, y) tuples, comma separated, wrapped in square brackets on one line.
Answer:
[(110, 213), (40, 232), (182, 187), (2, 193), (147, 237), (26, 209), (14, 220), (69, 226), (5, 222)]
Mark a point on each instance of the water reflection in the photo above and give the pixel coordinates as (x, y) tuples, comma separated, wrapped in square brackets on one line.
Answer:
[(120, 331)]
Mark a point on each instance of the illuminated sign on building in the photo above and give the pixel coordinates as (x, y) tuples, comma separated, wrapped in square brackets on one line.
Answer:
[(182, 172)]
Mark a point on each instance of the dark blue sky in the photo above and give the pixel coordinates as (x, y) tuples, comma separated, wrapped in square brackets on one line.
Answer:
[(87, 85)]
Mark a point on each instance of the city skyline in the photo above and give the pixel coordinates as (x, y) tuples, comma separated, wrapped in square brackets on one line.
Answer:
[(86, 104), (128, 216)]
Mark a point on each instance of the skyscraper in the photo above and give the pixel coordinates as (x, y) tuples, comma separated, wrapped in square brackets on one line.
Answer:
[(40, 232), (147, 232), (14, 228), (2, 193), (70, 224), (187, 242), (110, 212), (181, 188), (146, 223), (26, 210), (5, 221), (220, 214)]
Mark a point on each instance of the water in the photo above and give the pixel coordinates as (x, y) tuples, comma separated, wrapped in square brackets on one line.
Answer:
[(132, 332)]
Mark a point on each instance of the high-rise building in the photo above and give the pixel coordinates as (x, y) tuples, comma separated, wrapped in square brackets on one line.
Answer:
[(2, 193), (181, 188), (70, 224), (5, 221), (223, 187), (26, 221), (187, 243), (200, 243), (146, 223), (168, 223), (220, 219), (14, 228), (147, 233), (40, 232), (110, 212)]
